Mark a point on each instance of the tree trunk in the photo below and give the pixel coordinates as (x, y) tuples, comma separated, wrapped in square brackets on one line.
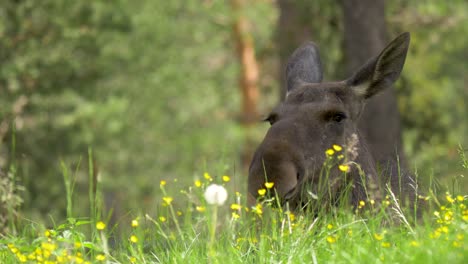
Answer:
[(364, 37), (248, 80), (293, 30)]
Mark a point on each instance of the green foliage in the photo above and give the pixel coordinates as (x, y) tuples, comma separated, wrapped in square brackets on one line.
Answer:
[(433, 91), (51, 61), (152, 89)]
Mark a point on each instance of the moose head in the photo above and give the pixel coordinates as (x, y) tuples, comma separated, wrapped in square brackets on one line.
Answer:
[(315, 116)]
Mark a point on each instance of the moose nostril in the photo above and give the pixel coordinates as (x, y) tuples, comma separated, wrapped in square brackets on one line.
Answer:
[(298, 176)]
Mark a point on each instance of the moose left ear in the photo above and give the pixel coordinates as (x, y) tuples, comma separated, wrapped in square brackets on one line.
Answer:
[(304, 66), (383, 70)]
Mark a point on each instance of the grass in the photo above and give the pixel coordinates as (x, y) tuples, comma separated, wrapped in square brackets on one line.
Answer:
[(194, 227)]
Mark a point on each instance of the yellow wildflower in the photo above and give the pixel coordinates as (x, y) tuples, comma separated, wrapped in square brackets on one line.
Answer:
[(329, 226), (257, 209), (162, 183), (236, 206), (207, 176), (465, 215), (337, 147), (386, 244), (198, 183), (179, 213), (14, 250), (378, 237), (134, 223), (100, 225), (269, 185), (134, 239), (162, 219), (235, 215), (329, 152), (22, 258), (343, 167), (200, 209), (460, 198), (449, 198), (414, 243), (226, 178), (445, 229), (361, 204), (331, 239), (48, 246), (100, 257), (133, 259), (167, 199), (262, 192)]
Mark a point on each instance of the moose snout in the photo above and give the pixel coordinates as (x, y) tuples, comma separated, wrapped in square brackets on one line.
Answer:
[(280, 168)]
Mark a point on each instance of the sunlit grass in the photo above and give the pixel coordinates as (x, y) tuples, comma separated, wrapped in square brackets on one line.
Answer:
[(203, 224)]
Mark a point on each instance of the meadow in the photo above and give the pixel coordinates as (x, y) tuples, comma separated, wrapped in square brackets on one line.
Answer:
[(205, 223), (117, 118)]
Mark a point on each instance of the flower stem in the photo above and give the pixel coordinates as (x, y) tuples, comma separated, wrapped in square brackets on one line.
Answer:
[(214, 219)]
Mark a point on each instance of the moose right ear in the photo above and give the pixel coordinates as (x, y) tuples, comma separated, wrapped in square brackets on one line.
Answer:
[(383, 70), (304, 66)]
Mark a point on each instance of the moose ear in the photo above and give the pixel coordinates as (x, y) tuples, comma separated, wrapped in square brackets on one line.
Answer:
[(304, 66), (381, 71)]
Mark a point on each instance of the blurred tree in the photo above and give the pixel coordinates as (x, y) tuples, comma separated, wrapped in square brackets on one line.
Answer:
[(248, 79), (52, 59), (304, 20), (364, 37)]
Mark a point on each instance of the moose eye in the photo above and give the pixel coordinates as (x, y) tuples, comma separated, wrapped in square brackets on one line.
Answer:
[(271, 118), (338, 117)]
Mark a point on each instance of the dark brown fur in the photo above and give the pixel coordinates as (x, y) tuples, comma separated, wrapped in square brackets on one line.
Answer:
[(313, 117)]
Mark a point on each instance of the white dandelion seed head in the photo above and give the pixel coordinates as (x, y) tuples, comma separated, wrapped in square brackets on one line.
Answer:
[(215, 194)]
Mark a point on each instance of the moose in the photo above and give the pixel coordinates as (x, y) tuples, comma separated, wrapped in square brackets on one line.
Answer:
[(315, 117)]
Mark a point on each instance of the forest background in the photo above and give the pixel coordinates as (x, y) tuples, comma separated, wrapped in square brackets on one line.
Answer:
[(144, 91)]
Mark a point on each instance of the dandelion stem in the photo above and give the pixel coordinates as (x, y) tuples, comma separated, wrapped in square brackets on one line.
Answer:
[(214, 219)]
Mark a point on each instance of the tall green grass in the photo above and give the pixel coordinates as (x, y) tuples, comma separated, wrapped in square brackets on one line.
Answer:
[(188, 229)]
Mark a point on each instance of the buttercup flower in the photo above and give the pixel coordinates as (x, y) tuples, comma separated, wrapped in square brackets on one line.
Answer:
[(215, 194), (236, 206), (198, 183), (331, 239), (343, 168), (207, 176), (337, 147), (262, 192), (167, 199), (100, 225)]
